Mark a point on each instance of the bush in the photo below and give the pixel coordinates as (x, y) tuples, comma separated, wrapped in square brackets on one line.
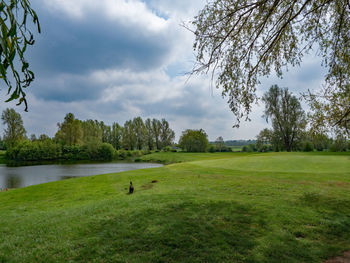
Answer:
[(105, 151), (167, 149), (34, 151), (212, 149), (249, 148), (308, 147)]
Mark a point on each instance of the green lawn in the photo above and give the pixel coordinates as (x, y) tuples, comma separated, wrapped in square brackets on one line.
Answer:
[(221, 207)]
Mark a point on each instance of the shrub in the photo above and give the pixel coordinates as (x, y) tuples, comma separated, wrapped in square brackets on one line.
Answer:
[(105, 151), (212, 149), (308, 147), (167, 149)]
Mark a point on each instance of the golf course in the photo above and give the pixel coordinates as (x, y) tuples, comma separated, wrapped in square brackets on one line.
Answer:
[(200, 207)]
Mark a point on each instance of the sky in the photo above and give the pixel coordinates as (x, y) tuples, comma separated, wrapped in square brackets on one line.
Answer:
[(113, 60)]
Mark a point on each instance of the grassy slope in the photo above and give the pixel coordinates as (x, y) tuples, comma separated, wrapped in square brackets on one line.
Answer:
[(285, 207)]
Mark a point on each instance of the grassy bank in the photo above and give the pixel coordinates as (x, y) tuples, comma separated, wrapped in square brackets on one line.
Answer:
[(221, 207)]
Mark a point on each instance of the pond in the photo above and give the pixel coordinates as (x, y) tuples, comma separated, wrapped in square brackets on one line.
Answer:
[(15, 177)]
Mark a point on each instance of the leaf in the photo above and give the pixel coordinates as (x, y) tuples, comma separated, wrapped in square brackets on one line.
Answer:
[(2, 70), (14, 96), (13, 31)]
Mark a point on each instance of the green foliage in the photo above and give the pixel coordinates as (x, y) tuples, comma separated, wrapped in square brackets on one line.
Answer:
[(35, 151), (70, 131), (212, 149), (15, 131), (308, 147), (50, 150), (194, 141), (15, 37), (167, 149), (287, 116), (243, 41), (339, 144), (249, 148), (105, 151)]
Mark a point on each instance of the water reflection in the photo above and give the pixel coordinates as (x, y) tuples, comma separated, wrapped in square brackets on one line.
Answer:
[(15, 177)]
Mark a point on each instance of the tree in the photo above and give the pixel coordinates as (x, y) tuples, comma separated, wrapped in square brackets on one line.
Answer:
[(129, 136), (15, 131), (69, 131), (219, 143), (15, 37), (264, 138), (149, 135), (156, 126), (288, 118), (167, 135), (140, 131), (92, 131), (194, 141), (116, 136), (242, 41)]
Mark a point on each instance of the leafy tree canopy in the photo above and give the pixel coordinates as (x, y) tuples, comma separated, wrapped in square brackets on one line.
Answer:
[(288, 118), (240, 41), (14, 39), (15, 130), (194, 141)]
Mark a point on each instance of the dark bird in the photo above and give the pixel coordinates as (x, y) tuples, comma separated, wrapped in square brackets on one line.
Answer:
[(131, 188)]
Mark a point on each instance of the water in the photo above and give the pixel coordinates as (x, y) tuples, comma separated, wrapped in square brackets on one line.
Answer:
[(15, 177)]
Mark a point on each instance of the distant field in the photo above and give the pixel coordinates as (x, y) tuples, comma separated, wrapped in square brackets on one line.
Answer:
[(221, 207), (236, 148)]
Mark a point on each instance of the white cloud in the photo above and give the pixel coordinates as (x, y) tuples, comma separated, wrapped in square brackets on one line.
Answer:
[(131, 13)]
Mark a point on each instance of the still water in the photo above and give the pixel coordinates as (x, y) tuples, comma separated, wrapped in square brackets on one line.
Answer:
[(15, 177)]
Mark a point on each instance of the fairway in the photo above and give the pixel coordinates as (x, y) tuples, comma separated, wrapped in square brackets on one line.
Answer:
[(220, 207)]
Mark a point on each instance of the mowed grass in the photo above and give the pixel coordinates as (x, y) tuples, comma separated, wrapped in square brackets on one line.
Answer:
[(229, 207)]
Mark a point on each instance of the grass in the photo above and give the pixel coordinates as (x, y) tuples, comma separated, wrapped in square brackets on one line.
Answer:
[(221, 207)]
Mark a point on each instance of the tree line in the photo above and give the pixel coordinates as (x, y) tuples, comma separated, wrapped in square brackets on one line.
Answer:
[(90, 139), (290, 131)]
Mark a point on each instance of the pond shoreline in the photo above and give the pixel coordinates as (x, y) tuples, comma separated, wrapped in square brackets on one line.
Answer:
[(22, 176)]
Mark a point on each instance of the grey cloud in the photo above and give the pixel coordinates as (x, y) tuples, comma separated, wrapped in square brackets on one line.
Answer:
[(75, 46)]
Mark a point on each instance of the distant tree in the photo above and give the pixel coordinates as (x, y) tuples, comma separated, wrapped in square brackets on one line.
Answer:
[(320, 141), (156, 126), (288, 118), (167, 135), (2, 144), (129, 136), (91, 131), (241, 42), (70, 131), (149, 135), (116, 136), (140, 132), (33, 137), (15, 131), (339, 144), (264, 138), (219, 143), (194, 141), (43, 137), (106, 132)]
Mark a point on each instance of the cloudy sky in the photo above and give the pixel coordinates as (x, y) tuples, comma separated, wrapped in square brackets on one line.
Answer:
[(113, 60)]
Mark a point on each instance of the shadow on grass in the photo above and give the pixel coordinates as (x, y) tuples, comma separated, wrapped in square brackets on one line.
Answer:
[(184, 232)]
